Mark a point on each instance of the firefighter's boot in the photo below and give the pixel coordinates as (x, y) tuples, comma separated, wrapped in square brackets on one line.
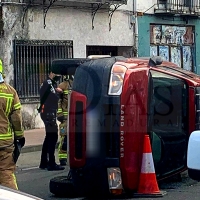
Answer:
[(63, 162)]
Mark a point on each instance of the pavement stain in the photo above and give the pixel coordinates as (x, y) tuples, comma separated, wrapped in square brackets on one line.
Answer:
[(176, 182)]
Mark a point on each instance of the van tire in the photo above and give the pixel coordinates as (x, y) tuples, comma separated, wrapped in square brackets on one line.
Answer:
[(61, 186)]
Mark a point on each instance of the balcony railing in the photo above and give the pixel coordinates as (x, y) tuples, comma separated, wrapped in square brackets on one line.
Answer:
[(184, 7)]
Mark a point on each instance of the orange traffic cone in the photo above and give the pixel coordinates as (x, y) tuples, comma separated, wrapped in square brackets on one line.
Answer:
[(148, 186)]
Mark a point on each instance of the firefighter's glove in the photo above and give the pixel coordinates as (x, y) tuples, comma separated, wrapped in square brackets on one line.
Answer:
[(60, 118), (20, 141)]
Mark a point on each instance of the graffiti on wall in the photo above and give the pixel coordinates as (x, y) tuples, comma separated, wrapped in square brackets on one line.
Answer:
[(173, 43)]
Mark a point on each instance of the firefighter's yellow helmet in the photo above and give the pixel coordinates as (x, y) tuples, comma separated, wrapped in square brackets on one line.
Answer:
[(1, 67)]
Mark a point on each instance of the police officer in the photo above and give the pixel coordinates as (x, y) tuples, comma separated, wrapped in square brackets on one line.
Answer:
[(49, 96), (11, 131), (62, 115)]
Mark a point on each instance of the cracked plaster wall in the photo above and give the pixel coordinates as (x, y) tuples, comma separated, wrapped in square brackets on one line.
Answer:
[(12, 16)]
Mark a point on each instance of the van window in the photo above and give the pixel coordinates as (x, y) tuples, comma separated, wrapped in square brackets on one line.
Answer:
[(168, 108), (170, 102)]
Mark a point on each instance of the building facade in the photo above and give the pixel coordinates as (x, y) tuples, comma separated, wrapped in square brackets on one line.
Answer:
[(33, 33), (170, 28)]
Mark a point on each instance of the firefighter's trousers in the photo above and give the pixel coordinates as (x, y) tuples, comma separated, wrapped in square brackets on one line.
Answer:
[(62, 147), (7, 168)]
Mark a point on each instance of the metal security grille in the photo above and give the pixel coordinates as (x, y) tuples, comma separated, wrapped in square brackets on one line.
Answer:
[(180, 6), (32, 63)]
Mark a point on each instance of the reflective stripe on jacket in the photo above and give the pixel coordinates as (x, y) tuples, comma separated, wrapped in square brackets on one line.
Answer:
[(10, 115), (63, 101)]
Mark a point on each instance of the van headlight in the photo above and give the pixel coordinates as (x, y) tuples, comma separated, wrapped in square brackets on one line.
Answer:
[(116, 79), (114, 180)]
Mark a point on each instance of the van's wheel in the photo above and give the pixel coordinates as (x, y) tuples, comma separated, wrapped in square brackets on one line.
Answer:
[(61, 186)]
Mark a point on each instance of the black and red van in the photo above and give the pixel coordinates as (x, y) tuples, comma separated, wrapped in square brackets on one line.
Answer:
[(114, 102)]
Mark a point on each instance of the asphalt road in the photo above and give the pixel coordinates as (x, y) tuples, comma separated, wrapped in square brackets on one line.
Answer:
[(35, 181)]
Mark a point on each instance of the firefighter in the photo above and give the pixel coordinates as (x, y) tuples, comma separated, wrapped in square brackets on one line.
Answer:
[(11, 132), (49, 96), (62, 115)]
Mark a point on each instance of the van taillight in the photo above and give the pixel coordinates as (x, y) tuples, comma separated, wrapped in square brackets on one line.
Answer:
[(77, 130)]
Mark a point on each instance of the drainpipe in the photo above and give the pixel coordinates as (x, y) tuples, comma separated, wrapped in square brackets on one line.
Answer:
[(135, 27)]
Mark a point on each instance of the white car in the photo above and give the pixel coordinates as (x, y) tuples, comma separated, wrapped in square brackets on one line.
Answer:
[(10, 194), (193, 161)]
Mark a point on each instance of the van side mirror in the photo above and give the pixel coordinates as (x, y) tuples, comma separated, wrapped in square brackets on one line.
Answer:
[(193, 156), (155, 60)]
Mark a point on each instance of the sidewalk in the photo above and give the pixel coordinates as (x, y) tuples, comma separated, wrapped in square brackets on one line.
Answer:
[(34, 140)]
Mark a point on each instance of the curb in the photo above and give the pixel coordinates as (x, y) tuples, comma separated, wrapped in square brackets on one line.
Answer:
[(28, 149), (33, 148)]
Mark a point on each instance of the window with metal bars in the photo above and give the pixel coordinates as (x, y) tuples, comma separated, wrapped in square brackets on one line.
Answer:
[(32, 64)]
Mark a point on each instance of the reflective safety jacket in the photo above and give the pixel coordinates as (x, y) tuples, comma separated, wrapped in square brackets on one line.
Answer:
[(63, 101), (10, 115)]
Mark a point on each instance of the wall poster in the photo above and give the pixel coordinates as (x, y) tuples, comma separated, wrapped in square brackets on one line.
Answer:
[(164, 52), (155, 34), (187, 58), (167, 35), (153, 50), (189, 36), (176, 55), (179, 33)]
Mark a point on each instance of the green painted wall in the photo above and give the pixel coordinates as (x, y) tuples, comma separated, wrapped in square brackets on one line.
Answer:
[(144, 34)]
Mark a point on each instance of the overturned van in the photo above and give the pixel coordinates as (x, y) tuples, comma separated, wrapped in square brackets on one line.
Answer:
[(113, 104)]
